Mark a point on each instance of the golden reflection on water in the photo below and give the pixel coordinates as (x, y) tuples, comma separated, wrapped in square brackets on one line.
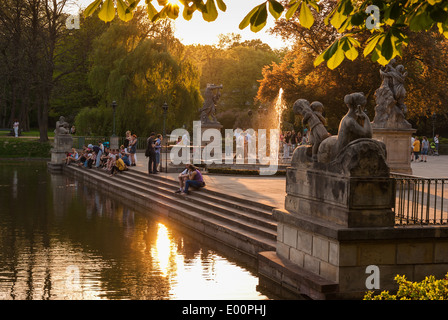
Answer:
[(89, 246), (163, 250)]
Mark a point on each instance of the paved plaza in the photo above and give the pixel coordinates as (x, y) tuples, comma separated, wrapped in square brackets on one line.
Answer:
[(270, 190)]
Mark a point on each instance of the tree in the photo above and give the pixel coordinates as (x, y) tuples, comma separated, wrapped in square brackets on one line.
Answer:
[(72, 91), (31, 32), (424, 61), (385, 20), (237, 65), (141, 65)]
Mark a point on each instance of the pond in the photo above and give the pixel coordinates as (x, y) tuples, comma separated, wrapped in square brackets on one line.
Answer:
[(61, 239)]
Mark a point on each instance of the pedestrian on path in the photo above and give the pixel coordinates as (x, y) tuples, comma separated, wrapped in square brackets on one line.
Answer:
[(416, 146), (436, 141), (425, 149), (16, 128)]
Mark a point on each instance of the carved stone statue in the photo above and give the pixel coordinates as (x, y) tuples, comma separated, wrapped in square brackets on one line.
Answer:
[(355, 124), (312, 115), (208, 111), (355, 134), (390, 108), (62, 127)]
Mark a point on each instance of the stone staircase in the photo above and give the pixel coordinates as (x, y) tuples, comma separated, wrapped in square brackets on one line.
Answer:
[(244, 225)]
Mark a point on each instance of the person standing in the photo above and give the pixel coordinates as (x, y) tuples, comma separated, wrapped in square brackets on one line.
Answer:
[(436, 141), (151, 154), (158, 147), (416, 146), (16, 128), (425, 149)]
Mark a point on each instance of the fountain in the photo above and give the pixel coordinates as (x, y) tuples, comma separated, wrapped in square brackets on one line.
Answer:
[(280, 106)]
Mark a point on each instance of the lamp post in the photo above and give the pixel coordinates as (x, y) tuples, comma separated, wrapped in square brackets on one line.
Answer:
[(114, 138), (165, 110), (114, 106), (434, 117)]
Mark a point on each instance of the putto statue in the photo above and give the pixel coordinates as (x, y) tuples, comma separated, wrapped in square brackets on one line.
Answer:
[(208, 111), (390, 108), (62, 127), (352, 149), (312, 115)]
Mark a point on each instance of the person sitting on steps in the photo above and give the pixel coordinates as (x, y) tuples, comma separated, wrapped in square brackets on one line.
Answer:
[(195, 179), (182, 178)]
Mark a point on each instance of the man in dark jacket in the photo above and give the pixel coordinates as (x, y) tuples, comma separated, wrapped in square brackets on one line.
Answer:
[(151, 153)]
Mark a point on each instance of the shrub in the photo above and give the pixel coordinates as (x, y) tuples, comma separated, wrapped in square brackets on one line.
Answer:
[(428, 289), (24, 148)]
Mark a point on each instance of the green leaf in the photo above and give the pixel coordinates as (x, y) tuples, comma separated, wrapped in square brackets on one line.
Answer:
[(275, 8), (221, 5), (152, 11), (387, 49), (438, 14), (338, 19), (258, 20), (330, 51), (420, 20), (188, 11), (172, 11), (123, 11), (292, 10), (371, 44), (107, 11), (92, 7), (350, 49), (337, 58), (211, 12), (319, 59), (306, 17), (443, 29), (358, 19), (245, 22)]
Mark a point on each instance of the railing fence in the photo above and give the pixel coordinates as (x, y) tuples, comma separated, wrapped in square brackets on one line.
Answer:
[(420, 200)]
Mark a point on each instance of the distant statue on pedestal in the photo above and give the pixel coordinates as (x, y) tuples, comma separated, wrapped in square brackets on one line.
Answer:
[(63, 143), (208, 111), (390, 108), (62, 127)]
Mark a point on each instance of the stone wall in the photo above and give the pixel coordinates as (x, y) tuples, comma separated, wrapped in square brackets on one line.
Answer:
[(340, 256)]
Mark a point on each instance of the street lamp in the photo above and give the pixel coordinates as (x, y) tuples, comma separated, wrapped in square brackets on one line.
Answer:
[(434, 117), (165, 110), (114, 138), (114, 106)]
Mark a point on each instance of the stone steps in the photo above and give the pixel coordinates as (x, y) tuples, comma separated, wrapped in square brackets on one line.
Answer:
[(243, 224)]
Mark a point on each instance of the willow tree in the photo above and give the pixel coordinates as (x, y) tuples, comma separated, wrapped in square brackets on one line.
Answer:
[(140, 65)]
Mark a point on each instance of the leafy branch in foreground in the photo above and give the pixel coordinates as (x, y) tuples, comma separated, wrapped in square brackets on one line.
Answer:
[(386, 20)]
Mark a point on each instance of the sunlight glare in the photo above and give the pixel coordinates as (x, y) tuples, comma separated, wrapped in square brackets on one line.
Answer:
[(162, 250)]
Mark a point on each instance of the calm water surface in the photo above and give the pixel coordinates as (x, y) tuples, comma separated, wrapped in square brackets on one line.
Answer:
[(60, 239)]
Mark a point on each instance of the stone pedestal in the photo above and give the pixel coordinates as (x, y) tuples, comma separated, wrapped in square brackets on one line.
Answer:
[(336, 237), (63, 143), (209, 125), (398, 146)]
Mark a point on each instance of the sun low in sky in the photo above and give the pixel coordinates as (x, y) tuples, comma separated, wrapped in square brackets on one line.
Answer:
[(198, 31)]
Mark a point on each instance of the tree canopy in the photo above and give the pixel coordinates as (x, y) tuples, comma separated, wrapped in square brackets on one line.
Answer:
[(385, 20)]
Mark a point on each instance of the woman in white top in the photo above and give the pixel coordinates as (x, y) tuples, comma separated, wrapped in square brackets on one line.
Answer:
[(16, 128)]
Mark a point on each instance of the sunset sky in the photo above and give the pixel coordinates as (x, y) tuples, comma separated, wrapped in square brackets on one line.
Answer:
[(199, 31)]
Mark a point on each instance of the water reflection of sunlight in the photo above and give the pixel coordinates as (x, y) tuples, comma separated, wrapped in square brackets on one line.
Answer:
[(163, 248), (199, 278)]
